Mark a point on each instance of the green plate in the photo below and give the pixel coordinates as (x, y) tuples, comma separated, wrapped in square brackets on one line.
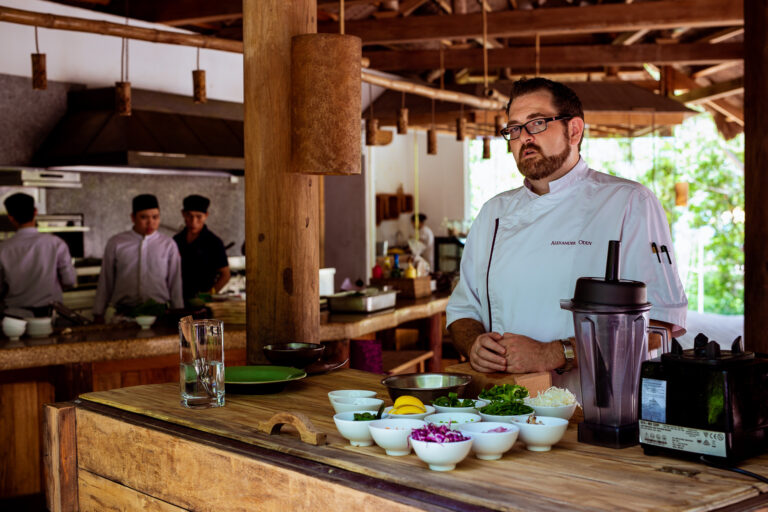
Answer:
[(261, 379)]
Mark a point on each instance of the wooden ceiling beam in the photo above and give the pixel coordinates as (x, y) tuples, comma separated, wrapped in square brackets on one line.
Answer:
[(408, 6), (190, 12), (629, 38), (559, 57), (713, 92), (711, 70), (722, 35), (556, 20)]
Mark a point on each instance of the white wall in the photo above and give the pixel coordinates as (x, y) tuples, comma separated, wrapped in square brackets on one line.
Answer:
[(441, 180), (94, 60)]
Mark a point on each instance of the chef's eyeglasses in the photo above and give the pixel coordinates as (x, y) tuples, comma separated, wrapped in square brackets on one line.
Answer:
[(534, 126)]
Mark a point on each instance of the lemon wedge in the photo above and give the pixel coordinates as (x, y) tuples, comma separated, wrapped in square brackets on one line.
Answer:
[(407, 409), (406, 400)]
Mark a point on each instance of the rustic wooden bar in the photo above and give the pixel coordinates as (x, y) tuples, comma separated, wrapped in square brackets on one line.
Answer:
[(138, 444)]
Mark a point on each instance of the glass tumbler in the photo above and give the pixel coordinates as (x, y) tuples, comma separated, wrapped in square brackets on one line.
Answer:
[(201, 367)]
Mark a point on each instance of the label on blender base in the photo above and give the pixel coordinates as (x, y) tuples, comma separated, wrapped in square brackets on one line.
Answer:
[(653, 406), (692, 440)]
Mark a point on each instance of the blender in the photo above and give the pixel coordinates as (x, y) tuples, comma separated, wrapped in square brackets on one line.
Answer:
[(610, 318)]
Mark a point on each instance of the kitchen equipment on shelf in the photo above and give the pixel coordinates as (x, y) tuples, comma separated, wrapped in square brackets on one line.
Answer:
[(366, 301), (705, 401), (297, 355), (610, 318)]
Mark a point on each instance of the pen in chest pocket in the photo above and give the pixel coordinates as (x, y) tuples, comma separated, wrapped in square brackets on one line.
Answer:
[(655, 250), (665, 251)]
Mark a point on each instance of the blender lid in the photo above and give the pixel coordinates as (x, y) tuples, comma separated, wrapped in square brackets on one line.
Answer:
[(610, 291)]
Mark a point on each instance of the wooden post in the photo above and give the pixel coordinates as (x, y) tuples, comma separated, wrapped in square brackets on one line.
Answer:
[(281, 208), (755, 179), (60, 457)]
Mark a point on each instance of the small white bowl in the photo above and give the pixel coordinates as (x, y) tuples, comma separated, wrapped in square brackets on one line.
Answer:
[(356, 404), (14, 327), (357, 432), (490, 445), (564, 411), (540, 438), (39, 327), (441, 456), (392, 435), (350, 393), (145, 321), (453, 419), (419, 416), (472, 410)]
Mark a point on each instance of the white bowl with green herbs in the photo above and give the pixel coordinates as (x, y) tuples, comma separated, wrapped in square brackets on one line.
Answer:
[(452, 403)]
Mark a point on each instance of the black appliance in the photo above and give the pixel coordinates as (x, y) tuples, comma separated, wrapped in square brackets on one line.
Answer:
[(705, 401)]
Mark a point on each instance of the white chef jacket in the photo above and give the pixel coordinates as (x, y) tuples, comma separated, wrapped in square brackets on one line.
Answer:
[(34, 266), (427, 237), (136, 268), (512, 281)]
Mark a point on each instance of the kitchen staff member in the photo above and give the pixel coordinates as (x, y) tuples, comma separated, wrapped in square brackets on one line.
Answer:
[(34, 267), (139, 264), (528, 246), (204, 264), (427, 237)]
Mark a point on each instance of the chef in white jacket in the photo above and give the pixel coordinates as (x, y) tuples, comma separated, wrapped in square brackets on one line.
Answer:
[(528, 246), (139, 264)]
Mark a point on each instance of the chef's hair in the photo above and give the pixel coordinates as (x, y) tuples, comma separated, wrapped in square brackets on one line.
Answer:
[(21, 207), (422, 217)]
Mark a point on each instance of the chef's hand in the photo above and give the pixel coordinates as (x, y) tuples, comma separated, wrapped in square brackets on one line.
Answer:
[(524, 354), (486, 354)]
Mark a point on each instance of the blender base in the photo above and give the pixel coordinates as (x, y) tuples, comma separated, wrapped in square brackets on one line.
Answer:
[(609, 437)]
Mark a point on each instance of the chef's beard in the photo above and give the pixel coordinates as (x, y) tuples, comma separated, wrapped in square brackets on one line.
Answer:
[(540, 168)]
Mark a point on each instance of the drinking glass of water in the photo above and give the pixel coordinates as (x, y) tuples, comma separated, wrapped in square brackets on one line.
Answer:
[(201, 370)]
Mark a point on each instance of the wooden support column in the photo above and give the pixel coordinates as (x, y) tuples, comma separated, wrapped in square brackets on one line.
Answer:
[(281, 208), (756, 175)]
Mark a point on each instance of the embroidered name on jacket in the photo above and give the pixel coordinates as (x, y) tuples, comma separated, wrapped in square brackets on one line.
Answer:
[(571, 242)]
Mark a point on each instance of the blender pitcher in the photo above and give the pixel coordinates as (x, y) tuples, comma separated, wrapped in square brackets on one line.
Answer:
[(610, 318)]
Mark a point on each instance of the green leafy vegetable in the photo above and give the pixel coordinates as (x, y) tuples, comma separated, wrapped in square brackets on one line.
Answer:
[(507, 392), (151, 308), (506, 408), (452, 400), (364, 416)]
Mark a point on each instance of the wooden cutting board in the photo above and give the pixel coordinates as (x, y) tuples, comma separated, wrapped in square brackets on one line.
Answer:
[(535, 382), (571, 476)]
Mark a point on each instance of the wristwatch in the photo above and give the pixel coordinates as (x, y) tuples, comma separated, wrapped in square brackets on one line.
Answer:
[(569, 355)]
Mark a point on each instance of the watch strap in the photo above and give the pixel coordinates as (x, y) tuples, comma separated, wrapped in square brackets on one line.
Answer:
[(570, 357)]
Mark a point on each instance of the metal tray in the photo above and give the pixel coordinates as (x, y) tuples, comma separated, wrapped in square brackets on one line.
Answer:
[(371, 299)]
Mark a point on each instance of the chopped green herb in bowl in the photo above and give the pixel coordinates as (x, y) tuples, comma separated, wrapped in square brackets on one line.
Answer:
[(453, 400)]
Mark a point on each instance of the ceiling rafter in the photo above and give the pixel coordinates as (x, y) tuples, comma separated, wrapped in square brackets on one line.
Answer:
[(556, 20)]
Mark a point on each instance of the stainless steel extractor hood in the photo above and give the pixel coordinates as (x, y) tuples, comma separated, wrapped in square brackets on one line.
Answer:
[(33, 177), (164, 132)]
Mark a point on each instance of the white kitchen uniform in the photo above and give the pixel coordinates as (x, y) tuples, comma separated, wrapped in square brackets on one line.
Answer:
[(427, 237), (137, 268), (525, 252), (34, 266)]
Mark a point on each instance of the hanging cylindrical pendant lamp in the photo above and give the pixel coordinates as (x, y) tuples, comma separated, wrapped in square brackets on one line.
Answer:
[(402, 118), (371, 129), (432, 134), (199, 94), (431, 141), (123, 87), (681, 193), (486, 148), (39, 75), (499, 123), (461, 128), (325, 111)]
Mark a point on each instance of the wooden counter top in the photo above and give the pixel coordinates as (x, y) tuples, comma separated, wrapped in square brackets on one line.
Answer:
[(573, 475)]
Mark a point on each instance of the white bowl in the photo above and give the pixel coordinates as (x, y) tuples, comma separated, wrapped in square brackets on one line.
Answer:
[(145, 321), (14, 327), (472, 410), (441, 456), (357, 432), (490, 445), (39, 327), (392, 435), (453, 419), (351, 393), (356, 404), (564, 411), (419, 416), (540, 438)]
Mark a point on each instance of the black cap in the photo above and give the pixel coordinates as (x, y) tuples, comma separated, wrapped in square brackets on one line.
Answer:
[(196, 203), (144, 202)]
